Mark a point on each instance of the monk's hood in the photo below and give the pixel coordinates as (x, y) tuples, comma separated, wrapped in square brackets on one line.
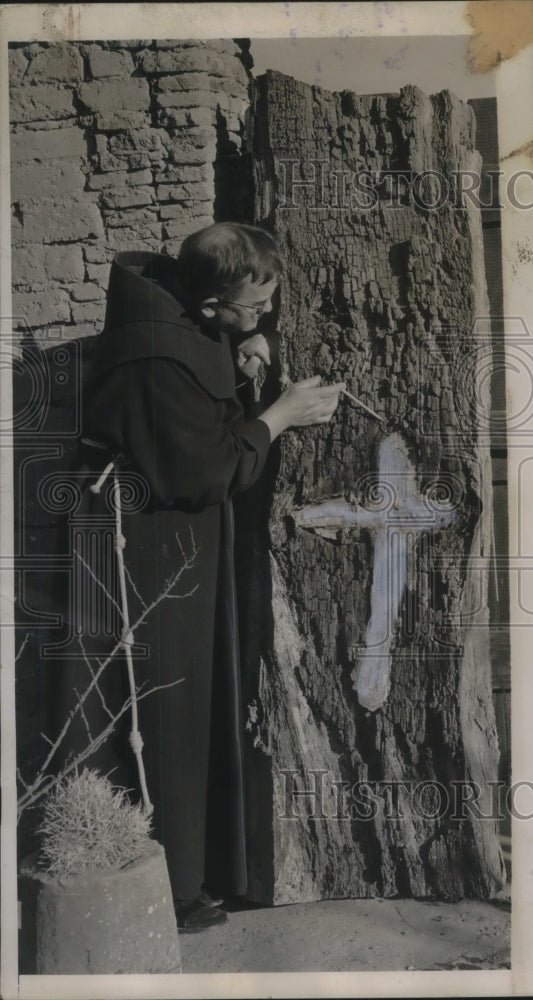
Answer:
[(144, 320)]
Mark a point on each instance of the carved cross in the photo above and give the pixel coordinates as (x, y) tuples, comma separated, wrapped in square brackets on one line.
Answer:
[(400, 516)]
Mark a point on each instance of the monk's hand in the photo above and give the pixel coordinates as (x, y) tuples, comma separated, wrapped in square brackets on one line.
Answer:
[(309, 402), (302, 403), (251, 353)]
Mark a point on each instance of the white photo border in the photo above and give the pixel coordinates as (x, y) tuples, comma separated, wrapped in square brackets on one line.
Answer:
[(77, 22)]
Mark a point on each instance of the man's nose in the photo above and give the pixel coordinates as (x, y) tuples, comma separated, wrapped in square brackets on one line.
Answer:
[(267, 308)]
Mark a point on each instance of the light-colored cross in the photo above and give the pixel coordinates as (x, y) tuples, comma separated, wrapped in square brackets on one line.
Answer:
[(397, 523)]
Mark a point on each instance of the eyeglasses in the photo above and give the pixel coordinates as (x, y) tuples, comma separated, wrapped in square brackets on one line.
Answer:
[(258, 308)]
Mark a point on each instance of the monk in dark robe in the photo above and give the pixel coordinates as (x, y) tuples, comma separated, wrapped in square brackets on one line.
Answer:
[(161, 405)]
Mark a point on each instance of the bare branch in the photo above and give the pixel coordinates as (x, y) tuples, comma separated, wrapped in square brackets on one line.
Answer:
[(44, 782), (95, 679), (104, 663), (21, 779), (23, 646), (194, 548), (82, 713), (133, 587), (160, 687), (180, 547), (102, 586), (180, 597)]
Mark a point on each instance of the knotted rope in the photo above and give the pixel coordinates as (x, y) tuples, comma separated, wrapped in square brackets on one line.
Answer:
[(127, 638)]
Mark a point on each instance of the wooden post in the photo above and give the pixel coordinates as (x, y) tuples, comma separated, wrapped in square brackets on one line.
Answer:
[(384, 288)]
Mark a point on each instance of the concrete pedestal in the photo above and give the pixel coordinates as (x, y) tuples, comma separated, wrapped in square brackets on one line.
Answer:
[(110, 921)]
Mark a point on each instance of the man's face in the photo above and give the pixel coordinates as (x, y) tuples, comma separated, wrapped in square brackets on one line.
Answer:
[(241, 311)]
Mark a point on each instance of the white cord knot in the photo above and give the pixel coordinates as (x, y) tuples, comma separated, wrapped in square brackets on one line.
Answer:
[(97, 486), (121, 542), (127, 637), (136, 741)]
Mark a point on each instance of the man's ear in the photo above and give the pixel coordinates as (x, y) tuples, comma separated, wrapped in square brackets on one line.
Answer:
[(206, 308)]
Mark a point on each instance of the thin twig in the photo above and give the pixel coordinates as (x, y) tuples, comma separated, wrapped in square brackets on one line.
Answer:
[(21, 779), (116, 648), (93, 675), (133, 587), (44, 782), (180, 597), (23, 646), (195, 550), (82, 713), (102, 586)]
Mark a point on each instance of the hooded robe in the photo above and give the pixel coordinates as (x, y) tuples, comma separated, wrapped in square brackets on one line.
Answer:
[(160, 402)]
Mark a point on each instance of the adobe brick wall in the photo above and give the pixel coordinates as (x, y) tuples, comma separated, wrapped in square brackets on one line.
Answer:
[(114, 146)]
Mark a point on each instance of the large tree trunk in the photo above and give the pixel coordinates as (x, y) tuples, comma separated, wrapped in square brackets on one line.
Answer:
[(384, 298)]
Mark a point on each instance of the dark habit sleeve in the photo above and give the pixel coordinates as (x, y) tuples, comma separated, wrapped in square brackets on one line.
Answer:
[(194, 450)]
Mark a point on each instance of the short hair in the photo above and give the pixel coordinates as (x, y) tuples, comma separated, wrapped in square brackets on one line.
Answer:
[(214, 260)]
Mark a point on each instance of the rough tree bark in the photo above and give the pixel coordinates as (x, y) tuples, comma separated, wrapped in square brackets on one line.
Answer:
[(383, 296)]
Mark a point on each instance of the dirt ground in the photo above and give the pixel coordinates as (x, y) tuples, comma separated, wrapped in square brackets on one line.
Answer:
[(353, 935)]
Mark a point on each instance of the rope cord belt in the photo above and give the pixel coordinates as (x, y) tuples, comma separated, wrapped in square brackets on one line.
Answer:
[(127, 638)]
